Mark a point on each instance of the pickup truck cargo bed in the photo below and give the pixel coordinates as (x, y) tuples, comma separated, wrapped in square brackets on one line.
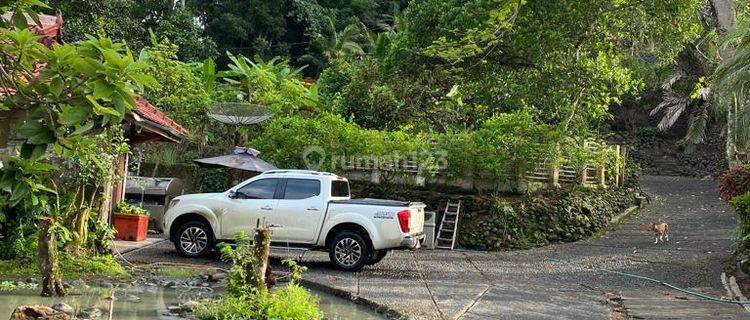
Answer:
[(376, 202)]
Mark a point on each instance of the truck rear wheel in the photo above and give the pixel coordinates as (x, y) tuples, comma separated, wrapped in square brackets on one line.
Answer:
[(349, 251), (194, 239)]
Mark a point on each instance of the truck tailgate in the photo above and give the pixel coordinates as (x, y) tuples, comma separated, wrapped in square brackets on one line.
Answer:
[(416, 223)]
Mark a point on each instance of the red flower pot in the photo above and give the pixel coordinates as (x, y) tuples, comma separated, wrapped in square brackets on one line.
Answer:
[(131, 227)]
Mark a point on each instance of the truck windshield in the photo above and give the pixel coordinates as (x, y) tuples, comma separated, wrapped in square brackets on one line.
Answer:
[(339, 188)]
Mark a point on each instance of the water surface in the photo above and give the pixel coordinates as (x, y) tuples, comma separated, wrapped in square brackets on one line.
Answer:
[(155, 300)]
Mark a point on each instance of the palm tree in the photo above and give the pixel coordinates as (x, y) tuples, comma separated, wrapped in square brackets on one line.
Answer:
[(343, 44), (379, 43), (675, 103), (249, 77), (338, 45), (733, 91), (245, 73)]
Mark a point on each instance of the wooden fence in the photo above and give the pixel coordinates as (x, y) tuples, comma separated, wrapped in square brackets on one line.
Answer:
[(592, 175), (408, 171)]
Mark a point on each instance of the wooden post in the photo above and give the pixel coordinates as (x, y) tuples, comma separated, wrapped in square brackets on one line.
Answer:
[(419, 179), (51, 282), (261, 252), (624, 173), (584, 175), (554, 177), (585, 169), (375, 176), (466, 182), (617, 166)]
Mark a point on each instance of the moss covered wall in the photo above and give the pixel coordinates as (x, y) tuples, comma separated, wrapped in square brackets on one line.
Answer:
[(503, 222)]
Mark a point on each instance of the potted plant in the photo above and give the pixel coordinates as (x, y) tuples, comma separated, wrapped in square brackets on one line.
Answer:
[(131, 222)]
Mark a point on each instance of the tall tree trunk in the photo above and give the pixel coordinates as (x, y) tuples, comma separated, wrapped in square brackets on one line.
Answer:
[(725, 13), (730, 137), (48, 264), (106, 205)]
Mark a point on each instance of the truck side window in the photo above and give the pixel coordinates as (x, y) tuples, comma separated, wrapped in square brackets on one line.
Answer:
[(339, 188), (301, 189), (258, 189)]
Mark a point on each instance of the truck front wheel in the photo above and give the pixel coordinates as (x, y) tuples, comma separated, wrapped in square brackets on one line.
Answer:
[(349, 251), (194, 239)]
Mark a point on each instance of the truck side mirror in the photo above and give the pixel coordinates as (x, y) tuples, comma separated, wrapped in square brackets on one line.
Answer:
[(232, 194)]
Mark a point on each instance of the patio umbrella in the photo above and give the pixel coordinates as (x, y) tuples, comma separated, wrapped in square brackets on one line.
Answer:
[(241, 158)]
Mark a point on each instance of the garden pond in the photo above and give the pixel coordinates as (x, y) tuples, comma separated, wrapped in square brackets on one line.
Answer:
[(154, 302)]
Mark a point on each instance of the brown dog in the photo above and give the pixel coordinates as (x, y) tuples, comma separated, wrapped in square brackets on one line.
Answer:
[(661, 230)]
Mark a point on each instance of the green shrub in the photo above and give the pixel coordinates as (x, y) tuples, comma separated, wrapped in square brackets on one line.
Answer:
[(286, 139), (246, 300), (648, 133), (290, 303), (293, 303), (127, 209), (213, 180), (632, 174), (19, 240), (240, 283), (741, 205), (228, 308), (101, 234), (503, 145), (734, 182), (681, 143)]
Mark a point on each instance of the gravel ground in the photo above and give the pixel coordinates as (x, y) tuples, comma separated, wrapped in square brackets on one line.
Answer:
[(556, 282)]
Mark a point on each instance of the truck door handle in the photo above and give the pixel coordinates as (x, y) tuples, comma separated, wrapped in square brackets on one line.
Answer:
[(266, 208), (312, 209)]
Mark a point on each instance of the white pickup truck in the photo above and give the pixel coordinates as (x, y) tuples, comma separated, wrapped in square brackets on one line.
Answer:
[(305, 210)]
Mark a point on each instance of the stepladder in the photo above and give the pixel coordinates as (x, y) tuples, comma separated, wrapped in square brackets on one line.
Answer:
[(446, 235)]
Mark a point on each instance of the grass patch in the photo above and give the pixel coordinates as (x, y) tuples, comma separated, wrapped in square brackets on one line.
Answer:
[(291, 302), (72, 268), (177, 272)]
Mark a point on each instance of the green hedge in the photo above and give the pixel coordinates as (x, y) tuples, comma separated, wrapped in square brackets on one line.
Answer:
[(504, 144), (741, 205)]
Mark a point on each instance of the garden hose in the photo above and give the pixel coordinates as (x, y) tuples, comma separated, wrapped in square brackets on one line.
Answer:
[(668, 285)]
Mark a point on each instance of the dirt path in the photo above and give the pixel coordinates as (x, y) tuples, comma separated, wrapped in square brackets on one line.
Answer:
[(555, 282)]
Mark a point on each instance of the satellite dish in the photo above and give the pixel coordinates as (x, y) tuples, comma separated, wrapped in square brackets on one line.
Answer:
[(237, 113)]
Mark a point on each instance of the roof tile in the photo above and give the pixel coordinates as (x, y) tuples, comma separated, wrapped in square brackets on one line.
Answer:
[(150, 112)]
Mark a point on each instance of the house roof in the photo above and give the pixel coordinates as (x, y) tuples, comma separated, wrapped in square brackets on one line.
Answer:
[(147, 114), (51, 25)]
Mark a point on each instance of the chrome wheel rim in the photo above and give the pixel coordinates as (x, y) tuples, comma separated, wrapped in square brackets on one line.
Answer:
[(348, 252), (193, 240)]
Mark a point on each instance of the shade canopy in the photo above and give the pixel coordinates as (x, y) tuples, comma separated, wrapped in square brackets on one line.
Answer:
[(242, 158)]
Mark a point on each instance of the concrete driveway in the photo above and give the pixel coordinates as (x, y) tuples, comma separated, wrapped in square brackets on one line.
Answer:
[(556, 282)]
